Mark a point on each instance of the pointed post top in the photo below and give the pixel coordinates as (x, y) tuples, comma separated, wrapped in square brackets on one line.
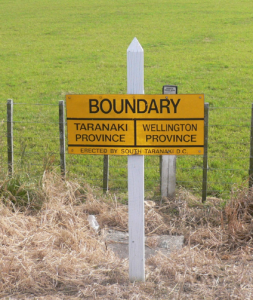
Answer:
[(135, 68), (135, 46)]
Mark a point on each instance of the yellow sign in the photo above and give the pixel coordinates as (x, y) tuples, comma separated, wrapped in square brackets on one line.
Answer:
[(135, 124)]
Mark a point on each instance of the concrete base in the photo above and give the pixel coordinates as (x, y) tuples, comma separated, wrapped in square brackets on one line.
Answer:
[(118, 242)]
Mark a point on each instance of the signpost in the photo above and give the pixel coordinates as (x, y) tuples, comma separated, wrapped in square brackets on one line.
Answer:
[(135, 125)]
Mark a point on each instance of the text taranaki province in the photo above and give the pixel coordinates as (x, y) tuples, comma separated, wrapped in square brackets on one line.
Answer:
[(101, 127)]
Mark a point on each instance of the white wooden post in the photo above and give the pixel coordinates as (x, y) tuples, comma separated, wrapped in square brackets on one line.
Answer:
[(136, 226)]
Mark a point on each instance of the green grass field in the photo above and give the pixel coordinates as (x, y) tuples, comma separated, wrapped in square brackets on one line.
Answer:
[(51, 48)]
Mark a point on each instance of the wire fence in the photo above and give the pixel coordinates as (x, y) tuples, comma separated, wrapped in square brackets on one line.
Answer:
[(37, 145)]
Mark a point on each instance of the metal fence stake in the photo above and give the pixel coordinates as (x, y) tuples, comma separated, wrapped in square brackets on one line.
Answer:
[(205, 163), (62, 137), (10, 137)]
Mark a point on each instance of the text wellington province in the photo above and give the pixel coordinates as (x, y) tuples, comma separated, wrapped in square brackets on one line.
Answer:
[(135, 124)]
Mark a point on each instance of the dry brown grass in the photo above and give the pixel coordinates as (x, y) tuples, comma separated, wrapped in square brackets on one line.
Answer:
[(52, 253)]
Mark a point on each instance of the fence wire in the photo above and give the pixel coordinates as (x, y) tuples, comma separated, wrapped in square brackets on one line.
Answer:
[(36, 149)]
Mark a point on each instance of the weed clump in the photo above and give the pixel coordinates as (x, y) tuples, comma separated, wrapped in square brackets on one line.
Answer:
[(239, 215)]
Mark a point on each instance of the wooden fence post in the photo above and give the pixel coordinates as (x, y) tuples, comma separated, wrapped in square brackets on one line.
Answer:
[(62, 137), (136, 226), (168, 164), (106, 173), (251, 151), (10, 137), (205, 162)]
